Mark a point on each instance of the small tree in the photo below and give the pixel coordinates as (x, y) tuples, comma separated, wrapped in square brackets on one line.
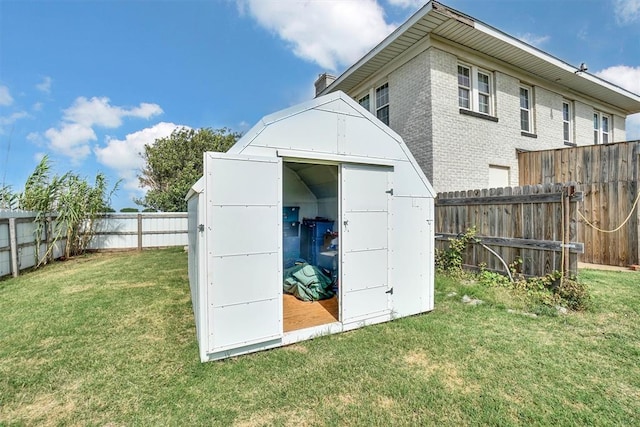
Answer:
[(74, 202), (174, 164)]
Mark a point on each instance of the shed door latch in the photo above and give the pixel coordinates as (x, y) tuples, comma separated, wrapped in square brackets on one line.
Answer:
[(389, 191), (390, 291)]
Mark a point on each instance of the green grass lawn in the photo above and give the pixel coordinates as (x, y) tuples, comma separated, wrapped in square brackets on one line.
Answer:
[(109, 339)]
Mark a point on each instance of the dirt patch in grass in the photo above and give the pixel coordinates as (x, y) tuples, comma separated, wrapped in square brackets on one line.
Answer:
[(115, 285), (286, 418), (386, 402), (297, 348), (446, 372), (46, 409)]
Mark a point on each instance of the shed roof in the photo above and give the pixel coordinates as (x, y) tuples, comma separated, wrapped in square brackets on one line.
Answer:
[(333, 127), (437, 19)]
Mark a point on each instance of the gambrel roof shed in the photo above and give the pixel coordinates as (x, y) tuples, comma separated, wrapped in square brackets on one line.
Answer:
[(324, 182)]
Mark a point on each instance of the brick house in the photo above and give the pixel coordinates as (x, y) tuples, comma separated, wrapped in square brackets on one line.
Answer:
[(466, 97)]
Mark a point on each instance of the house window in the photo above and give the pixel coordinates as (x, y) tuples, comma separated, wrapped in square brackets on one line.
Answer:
[(364, 101), (601, 128), (567, 119), (464, 87), (474, 89), (382, 103), (525, 109)]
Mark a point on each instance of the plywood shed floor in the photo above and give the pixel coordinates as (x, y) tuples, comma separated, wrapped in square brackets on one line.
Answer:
[(305, 314)]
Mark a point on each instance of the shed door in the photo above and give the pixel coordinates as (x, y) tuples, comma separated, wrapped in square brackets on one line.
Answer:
[(244, 234), (365, 241)]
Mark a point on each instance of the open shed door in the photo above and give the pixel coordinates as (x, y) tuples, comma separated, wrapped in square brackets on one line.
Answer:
[(365, 241), (244, 235)]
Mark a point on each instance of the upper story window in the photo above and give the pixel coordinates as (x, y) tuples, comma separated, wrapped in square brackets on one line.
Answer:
[(601, 128), (567, 122), (364, 101), (474, 89), (525, 110), (382, 103), (376, 101)]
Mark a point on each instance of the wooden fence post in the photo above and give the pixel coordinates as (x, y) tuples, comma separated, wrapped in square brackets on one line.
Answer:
[(566, 190), (13, 244), (139, 232)]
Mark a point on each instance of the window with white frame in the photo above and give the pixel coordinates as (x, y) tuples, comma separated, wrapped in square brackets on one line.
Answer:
[(525, 110), (567, 122), (601, 128), (364, 101), (474, 89), (382, 103), (376, 101)]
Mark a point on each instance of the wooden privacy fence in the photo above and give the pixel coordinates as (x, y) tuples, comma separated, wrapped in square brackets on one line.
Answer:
[(536, 223), (112, 232), (608, 176)]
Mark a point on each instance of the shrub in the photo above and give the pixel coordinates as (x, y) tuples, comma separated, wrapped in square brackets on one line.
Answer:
[(450, 260), (573, 294)]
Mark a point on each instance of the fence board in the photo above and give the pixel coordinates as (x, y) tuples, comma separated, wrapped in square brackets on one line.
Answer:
[(525, 222), (113, 232), (608, 176)]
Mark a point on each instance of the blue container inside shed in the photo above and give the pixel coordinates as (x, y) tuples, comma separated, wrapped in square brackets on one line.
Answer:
[(312, 238), (290, 234)]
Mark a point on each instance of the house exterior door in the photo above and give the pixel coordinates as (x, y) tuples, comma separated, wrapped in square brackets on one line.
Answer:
[(365, 196), (243, 238)]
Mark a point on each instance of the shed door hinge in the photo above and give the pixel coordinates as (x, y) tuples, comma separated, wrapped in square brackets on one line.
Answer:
[(389, 191), (201, 228)]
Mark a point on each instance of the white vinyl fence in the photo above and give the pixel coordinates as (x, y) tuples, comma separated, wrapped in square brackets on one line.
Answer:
[(117, 231)]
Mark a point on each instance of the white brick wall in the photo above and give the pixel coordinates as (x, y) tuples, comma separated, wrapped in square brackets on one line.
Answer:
[(455, 150)]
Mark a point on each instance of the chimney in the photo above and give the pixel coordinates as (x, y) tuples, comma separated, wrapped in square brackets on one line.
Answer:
[(323, 81)]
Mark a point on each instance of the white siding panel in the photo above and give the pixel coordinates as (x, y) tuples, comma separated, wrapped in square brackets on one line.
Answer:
[(406, 181), (243, 324), (364, 304), (410, 258), (295, 132), (249, 271), (4, 234), (367, 230), (362, 138), (365, 269), (243, 220), (252, 233)]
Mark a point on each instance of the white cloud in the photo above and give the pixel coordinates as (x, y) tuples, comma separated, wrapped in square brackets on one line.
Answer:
[(124, 155), (632, 126), (75, 132), (71, 140), (38, 156), (627, 11), (329, 33), (407, 4), (628, 78), (623, 76), (37, 106), (98, 111), (5, 97), (45, 86), (10, 119), (534, 39)]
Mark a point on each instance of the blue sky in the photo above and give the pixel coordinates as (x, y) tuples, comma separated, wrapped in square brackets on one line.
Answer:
[(90, 82)]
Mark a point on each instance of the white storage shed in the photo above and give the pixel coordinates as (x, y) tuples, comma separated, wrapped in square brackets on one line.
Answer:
[(325, 182)]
